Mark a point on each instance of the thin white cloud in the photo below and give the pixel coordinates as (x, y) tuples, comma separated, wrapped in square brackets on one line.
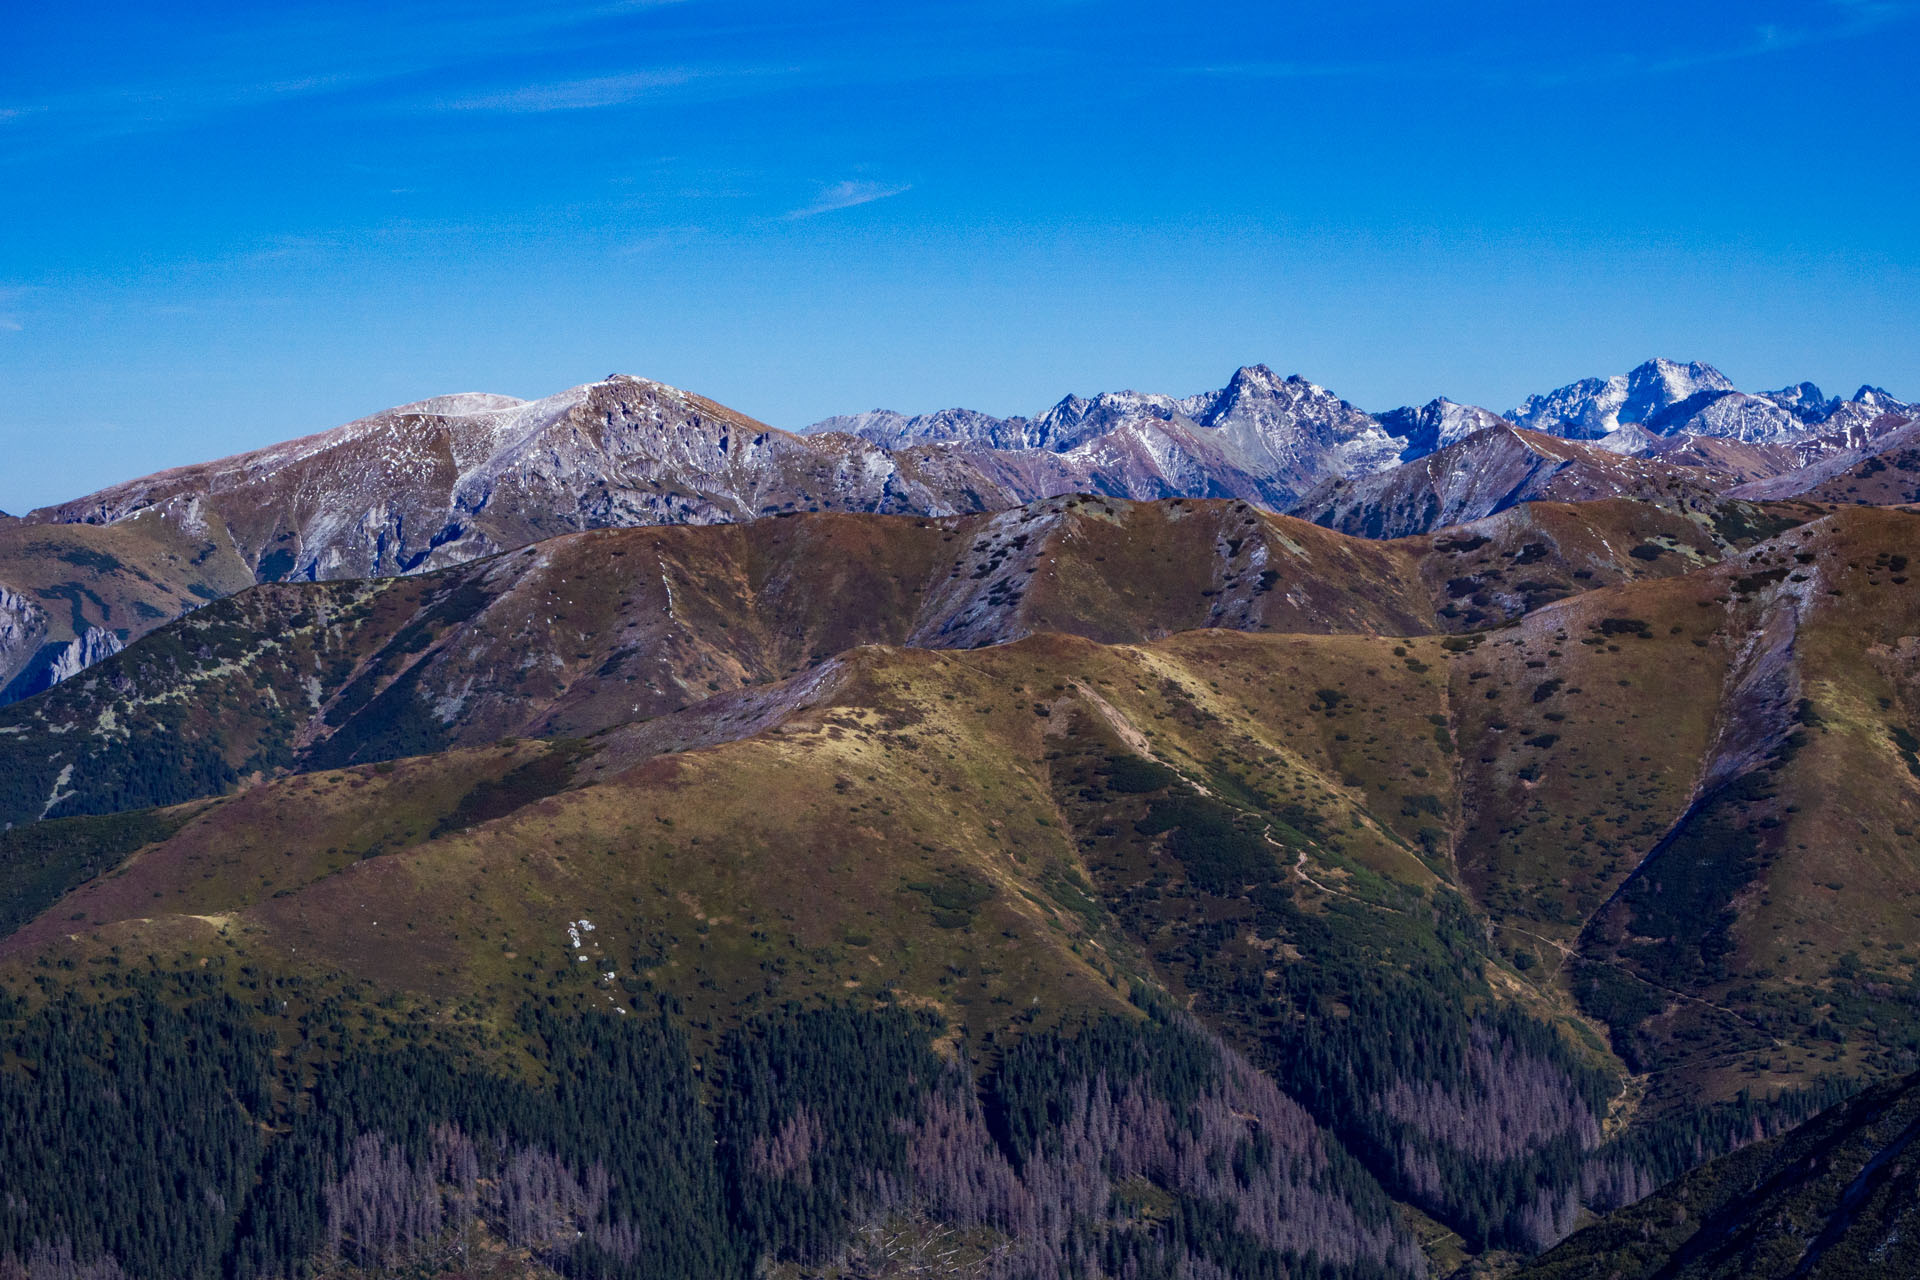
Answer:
[(1845, 20), (576, 95), (10, 321), (845, 195), (436, 40)]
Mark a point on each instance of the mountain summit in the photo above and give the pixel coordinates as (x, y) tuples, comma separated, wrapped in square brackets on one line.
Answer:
[(1667, 398), (1594, 407), (448, 479), (455, 477)]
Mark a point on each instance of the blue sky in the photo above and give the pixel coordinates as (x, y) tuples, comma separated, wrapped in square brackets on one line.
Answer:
[(225, 225)]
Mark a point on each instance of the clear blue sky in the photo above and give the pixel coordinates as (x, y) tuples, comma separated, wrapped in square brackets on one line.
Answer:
[(225, 225)]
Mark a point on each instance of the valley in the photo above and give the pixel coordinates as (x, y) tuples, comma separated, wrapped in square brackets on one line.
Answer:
[(1059, 883)]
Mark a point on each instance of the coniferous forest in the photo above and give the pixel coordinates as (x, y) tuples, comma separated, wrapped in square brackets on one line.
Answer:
[(187, 1123)]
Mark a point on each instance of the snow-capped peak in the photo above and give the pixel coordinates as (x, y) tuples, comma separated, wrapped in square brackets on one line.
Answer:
[(1594, 407)]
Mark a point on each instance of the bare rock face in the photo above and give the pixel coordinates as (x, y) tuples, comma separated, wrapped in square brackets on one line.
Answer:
[(92, 645), (1261, 437), (1595, 407), (1436, 425), (23, 627), (1669, 399), (1728, 415), (449, 479), (1293, 429), (1491, 471)]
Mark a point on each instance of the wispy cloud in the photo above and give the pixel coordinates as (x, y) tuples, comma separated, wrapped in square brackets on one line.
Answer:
[(304, 54), (1836, 20), (10, 321), (845, 195), (576, 95), (1843, 20)]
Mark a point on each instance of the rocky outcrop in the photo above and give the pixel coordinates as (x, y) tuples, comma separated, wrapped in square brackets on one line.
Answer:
[(23, 628), (1490, 472), (92, 645), (1436, 425)]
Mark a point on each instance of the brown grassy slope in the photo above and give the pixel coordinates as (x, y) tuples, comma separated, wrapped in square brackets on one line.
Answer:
[(595, 629), (127, 579), (1584, 804), (1493, 570), (580, 633), (786, 863), (1883, 472), (1690, 801)]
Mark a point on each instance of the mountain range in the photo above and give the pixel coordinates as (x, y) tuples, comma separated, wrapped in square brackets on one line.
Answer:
[(446, 480), (607, 836)]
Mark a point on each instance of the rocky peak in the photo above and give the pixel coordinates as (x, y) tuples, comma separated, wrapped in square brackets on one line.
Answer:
[(1660, 382), (1875, 398), (1074, 421), (1254, 387), (1804, 401), (1436, 425), (1594, 407), (1258, 379)]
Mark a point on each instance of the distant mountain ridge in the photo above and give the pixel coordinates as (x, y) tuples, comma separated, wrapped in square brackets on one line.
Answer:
[(1671, 399), (1493, 470), (1299, 430), (445, 480), (449, 479), (1286, 432)]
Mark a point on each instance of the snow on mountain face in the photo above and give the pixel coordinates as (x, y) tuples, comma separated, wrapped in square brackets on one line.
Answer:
[(1804, 401), (1300, 429), (446, 480), (1876, 467), (965, 428), (1277, 438), (1261, 436), (1860, 415), (1490, 471), (1670, 399), (1435, 425), (1730, 415), (454, 477), (1594, 407)]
